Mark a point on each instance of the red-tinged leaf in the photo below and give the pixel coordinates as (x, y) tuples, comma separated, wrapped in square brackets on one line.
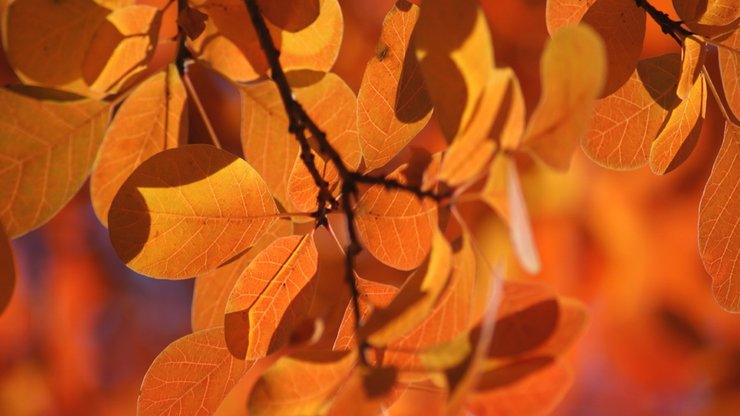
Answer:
[(7, 271), (393, 105), (719, 222), (681, 131), (572, 321), (621, 24), (561, 118), (693, 54), (43, 164), (396, 226), (455, 61), (187, 210), (367, 391), (301, 384), (373, 296), (191, 376), (560, 13), (503, 193), (153, 118), (415, 300), (626, 123), (729, 67), (266, 302), (230, 45), (212, 289)]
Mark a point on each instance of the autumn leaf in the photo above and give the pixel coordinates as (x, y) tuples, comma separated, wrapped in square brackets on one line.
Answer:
[(7, 271), (44, 164), (373, 296), (455, 61), (707, 12), (366, 392), (568, 93), (187, 210), (393, 105), (153, 118), (693, 54), (560, 13), (729, 66), (626, 122), (719, 239), (191, 376), (266, 303)]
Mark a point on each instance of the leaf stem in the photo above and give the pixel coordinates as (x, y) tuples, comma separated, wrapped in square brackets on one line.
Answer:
[(201, 110)]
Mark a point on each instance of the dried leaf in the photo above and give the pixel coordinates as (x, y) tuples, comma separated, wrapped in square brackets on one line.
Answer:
[(568, 93), (187, 210), (44, 164), (729, 67), (191, 376), (153, 118), (455, 61), (264, 306), (393, 105), (626, 123), (693, 54), (719, 215), (7, 271)]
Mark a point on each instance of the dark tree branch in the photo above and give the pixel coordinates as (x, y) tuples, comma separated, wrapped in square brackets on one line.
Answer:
[(673, 28)]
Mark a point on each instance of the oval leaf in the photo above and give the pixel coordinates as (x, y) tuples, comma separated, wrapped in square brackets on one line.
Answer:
[(692, 62)]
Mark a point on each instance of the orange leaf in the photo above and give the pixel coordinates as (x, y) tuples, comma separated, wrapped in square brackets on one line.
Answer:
[(568, 93), (692, 62), (229, 44), (680, 132), (187, 210), (367, 391), (395, 226), (621, 25), (626, 123), (373, 296), (708, 12), (153, 118), (560, 13), (512, 130), (301, 384), (719, 216), (572, 320), (212, 289), (7, 271), (44, 163), (393, 105), (191, 376), (453, 46), (266, 303), (729, 67)]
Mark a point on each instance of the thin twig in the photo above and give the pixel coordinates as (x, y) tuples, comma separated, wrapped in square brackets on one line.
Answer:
[(671, 27)]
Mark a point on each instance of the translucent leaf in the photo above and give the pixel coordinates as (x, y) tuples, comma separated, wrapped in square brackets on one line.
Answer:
[(229, 44), (626, 123), (153, 118), (692, 61), (265, 304), (212, 289), (560, 13), (568, 93), (511, 133), (680, 132), (393, 105), (373, 296), (621, 25), (708, 12), (729, 67), (43, 164), (187, 210), (7, 271), (367, 391), (191, 376), (301, 384), (453, 46), (719, 215)]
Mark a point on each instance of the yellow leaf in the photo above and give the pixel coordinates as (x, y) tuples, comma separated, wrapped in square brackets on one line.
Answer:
[(153, 118), (568, 93), (266, 303), (393, 105), (187, 210), (719, 216), (191, 376), (7, 271), (511, 133), (43, 164), (680, 132), (626, 123), (454, 49), (692, 62), (729, 67)]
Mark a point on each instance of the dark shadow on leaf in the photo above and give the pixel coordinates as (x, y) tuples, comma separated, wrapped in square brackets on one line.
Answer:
[(290, 15), (412, 99), (511, 373), (660, 76), (524, 330)]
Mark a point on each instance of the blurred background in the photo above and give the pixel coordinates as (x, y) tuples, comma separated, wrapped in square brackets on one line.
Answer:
[(82, 329)]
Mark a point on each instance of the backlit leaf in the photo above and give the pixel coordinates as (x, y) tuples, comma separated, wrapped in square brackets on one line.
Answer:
[(393, 105), (453, 46), (568, 93), (230, 45), (153, 118), (559, 13), (264, 306), (729, 67), (7, 271), (511, 133), (621, 24), (692, 61), (681, 131), (719, 216), (367, 392), (190, 377), (373, 296), (301, 384), (626, 123), (187, 210), (708, 12), (43, 164)]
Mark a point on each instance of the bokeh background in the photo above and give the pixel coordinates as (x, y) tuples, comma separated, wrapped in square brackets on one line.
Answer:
[(82, 329)]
